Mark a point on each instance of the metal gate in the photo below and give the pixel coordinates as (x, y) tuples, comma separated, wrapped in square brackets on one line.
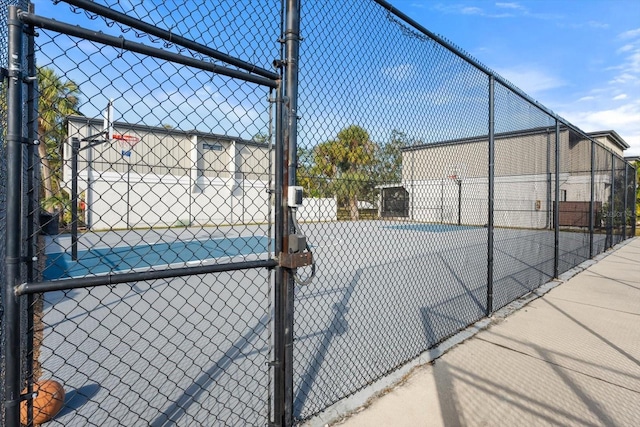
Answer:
[(148, 212), (154, 195)]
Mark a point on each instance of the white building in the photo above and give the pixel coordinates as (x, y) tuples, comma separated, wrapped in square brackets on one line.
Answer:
[(169, 177), (447, 182)]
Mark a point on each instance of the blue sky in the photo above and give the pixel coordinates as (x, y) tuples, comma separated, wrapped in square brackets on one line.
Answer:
[(581, 59)]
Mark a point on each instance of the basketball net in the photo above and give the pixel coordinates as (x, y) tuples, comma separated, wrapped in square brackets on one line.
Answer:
[(126, 143)]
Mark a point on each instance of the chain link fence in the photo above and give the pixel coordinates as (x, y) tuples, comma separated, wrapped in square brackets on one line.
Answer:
[(374, 129), (24, 318), (3, 194), (153, 158), (155, 290), (455, 192)]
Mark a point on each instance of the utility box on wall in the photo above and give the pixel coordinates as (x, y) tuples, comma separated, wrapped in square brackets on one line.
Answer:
[(576, 214)]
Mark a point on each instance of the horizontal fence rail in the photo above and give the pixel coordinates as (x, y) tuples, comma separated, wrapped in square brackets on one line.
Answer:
[(121, 42)]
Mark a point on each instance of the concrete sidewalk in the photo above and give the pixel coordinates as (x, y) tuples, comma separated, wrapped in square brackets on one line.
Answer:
[(571, 357)]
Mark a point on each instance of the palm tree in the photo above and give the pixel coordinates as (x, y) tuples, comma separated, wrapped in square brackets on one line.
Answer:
[(346, 161), (58, 98)]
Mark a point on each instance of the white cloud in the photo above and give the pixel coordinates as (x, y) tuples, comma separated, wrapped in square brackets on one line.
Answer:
[(402, 72), (510, 6), (623, 78), (596, 24), (470, 10), (499, 10), (615, 105), (626, 48), (624, 119), (633, 62), (530, 79), (630, 34), (628, 68), (203, 108), (88, 47), (588, 24)]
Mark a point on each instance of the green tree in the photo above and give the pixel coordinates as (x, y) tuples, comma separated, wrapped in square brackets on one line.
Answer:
[(637, 166), (260, 137), (58, 98), (307, 174), (346, 162), (389, 158)]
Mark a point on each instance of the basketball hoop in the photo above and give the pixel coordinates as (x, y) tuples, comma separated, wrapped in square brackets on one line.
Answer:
[(108, 121), (126, 143), (457, 172)]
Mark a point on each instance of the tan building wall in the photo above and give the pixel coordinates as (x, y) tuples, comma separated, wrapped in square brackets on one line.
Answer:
[(526, 153), (524, 178), (169, 177)]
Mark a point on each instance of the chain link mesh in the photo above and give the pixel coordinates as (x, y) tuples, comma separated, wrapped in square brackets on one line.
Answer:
[(524, 196), (173, 167), (3, 195), (393, 145), (146, 165), (574, 199), (388, 144), (630, 211), (619, 209)]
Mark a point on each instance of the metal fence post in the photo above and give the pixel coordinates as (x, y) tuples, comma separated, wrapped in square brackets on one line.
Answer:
[(592, 218), (75, 150), (292, 52), (286, 165), (624, 205), (635, 206), (14, 202), (491, 195), (611, 201), (278, 327), (556, 210), (549, 186), (32, 203)]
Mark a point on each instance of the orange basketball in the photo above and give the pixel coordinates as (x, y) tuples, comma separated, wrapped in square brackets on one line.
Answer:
[(47, 403)]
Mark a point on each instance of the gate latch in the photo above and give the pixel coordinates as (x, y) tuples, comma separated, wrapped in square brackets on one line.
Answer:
[(295, 260)]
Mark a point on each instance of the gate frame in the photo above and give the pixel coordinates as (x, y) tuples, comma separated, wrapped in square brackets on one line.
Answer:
[(285, 175), (14, 213), (285, 84)]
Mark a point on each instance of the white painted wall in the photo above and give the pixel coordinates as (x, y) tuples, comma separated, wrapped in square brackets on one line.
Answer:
[(325, 209), (519, 201), (164, 201)]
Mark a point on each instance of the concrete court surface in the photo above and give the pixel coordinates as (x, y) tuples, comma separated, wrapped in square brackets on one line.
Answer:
[(571, 357), (208, 336)]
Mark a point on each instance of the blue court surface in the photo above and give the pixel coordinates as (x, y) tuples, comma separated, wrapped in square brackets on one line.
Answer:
[(431, 228), (59, 265)]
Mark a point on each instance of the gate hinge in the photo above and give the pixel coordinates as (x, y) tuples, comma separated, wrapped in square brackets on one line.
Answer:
[(295, 260), (279, 63), (29, 396), (283, 99)]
